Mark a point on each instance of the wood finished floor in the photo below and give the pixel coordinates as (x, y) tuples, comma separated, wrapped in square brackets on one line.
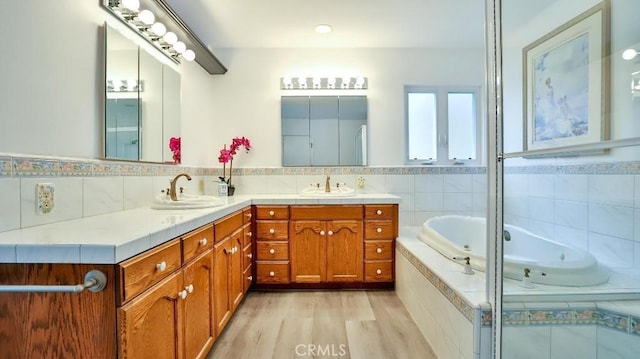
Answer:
[(340, 324)]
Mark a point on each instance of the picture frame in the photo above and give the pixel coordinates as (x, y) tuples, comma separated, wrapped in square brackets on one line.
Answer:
[(566, 84)]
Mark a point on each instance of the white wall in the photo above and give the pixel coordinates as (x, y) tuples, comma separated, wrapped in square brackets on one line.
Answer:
[(53, 67)]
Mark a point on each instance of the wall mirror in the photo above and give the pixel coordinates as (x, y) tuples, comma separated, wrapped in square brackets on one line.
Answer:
[(142, 102), (324, 130)]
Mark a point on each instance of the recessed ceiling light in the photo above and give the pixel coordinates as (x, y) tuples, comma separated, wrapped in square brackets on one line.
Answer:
[(323, 28)]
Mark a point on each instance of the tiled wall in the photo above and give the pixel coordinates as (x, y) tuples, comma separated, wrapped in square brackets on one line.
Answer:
[(595, 207), (91, 187)]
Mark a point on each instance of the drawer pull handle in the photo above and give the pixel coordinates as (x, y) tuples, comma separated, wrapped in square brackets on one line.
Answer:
[(249, 234), (248, 215), (189, 288), (183, 294), (234, 250), (272, 213), (272, 251), (378, 271), (272, 274), (322, 233), (330, 233), (379, 212), (162, 266), (250, 278), (249, 255), (379, 250), (203, 242), (379, 230), (272, 231)]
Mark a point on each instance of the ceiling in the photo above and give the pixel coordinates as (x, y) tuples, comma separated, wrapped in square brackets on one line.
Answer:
[(356, 23)]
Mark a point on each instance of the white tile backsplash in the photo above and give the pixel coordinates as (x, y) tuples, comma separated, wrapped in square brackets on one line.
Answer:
[(457, 202), (399, 184), (612, 251), (541, 209), (571, 214), (137, 192), (67, 200), (611, 220), (457, 183), (431, 202), (572, 187), (541, 185), (613, 190), (429, 183), (573, 342), (102, 195), (10, 204)]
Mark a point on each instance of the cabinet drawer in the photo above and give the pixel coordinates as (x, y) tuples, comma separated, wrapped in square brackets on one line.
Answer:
[(272, 230), (272, 251), (269, 272), (246, 215), (247, 257), (382, 211), (196, 242), (227, 225), (146, 269), (247, 235), (379, 229), (378, 271), (329, 212), (376, 250), (272, 212)]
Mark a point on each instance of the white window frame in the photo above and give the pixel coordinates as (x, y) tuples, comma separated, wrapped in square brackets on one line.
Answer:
[(442, 135)]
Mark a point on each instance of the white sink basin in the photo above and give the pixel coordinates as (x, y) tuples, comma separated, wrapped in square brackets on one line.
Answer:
[(341, 191), (186, 201)]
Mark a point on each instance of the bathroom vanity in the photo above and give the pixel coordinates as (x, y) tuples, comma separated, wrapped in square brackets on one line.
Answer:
[(175, 278)]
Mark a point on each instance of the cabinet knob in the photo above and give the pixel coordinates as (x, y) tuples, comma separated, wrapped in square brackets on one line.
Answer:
[(330, 233), (272, 274), (379, 212), (379, 250), (322, 233), (235, 249), (272, 213), (249, 234), (249, 215), (378, 271), (162, 266), (203, 242), (379, 230), (189, 288), (250, 278), (183, 294), (249, 255), (272, 231), (272, 251)]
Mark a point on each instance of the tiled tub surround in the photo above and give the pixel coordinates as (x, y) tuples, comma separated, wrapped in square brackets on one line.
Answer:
[(450, 309)]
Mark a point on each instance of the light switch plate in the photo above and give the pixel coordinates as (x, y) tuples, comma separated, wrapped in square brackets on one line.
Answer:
[(44, 198)]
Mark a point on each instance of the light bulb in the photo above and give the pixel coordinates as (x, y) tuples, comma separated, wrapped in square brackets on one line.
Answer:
[(345, 82), (331, 82), (146, 17), (323, 28), (132, 5), (170, 38), (158, 28), (117, 84), (360, 81), (189, 55), (180, 47), (629, 54)]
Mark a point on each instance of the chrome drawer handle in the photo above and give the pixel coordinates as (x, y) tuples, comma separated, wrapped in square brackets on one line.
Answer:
[(162, 266), (272, 251), (379, 230), (379, 250), (203, 242), (272, 274), (379, 212), (378, 271)]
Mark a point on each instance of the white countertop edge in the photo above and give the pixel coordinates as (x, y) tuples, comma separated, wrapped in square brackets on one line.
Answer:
[(113, 237)]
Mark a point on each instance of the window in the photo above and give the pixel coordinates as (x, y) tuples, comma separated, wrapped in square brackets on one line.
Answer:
[(443, 125)]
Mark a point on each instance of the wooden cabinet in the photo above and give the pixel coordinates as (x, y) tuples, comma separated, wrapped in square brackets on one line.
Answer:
[(175, 308), (381, 230), (329, 248), (272, 244), (229, 267)]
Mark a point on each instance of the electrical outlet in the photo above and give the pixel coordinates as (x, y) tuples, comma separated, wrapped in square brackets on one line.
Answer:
[(44, 198), (360, 182)]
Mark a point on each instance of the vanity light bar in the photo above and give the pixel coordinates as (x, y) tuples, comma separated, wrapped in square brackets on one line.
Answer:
[(144, 21), (323, 83), (125, 86)]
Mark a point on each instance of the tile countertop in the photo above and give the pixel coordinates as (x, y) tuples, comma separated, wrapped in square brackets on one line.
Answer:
[(113, 237)]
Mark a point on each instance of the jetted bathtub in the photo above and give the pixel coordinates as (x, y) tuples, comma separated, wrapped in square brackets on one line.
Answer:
[(562, 265)]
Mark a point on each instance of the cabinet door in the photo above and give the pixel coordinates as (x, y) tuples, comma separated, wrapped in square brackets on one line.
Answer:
[(308, 246), (344, 251), (221, 264), (149, 325), (198, 306), (236, 281)]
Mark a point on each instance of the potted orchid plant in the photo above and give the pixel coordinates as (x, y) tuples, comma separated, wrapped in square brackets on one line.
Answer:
[(226, 156), (174, 146)]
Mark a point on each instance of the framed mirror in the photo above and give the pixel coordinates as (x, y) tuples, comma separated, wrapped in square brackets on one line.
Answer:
[(324, 130), (142, 102)]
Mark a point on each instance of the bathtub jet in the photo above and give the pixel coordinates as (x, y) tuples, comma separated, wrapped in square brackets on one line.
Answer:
[(563, 265)]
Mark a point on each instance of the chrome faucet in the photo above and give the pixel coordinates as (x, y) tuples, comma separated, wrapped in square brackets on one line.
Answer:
[(327, 185), (172, 190)]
